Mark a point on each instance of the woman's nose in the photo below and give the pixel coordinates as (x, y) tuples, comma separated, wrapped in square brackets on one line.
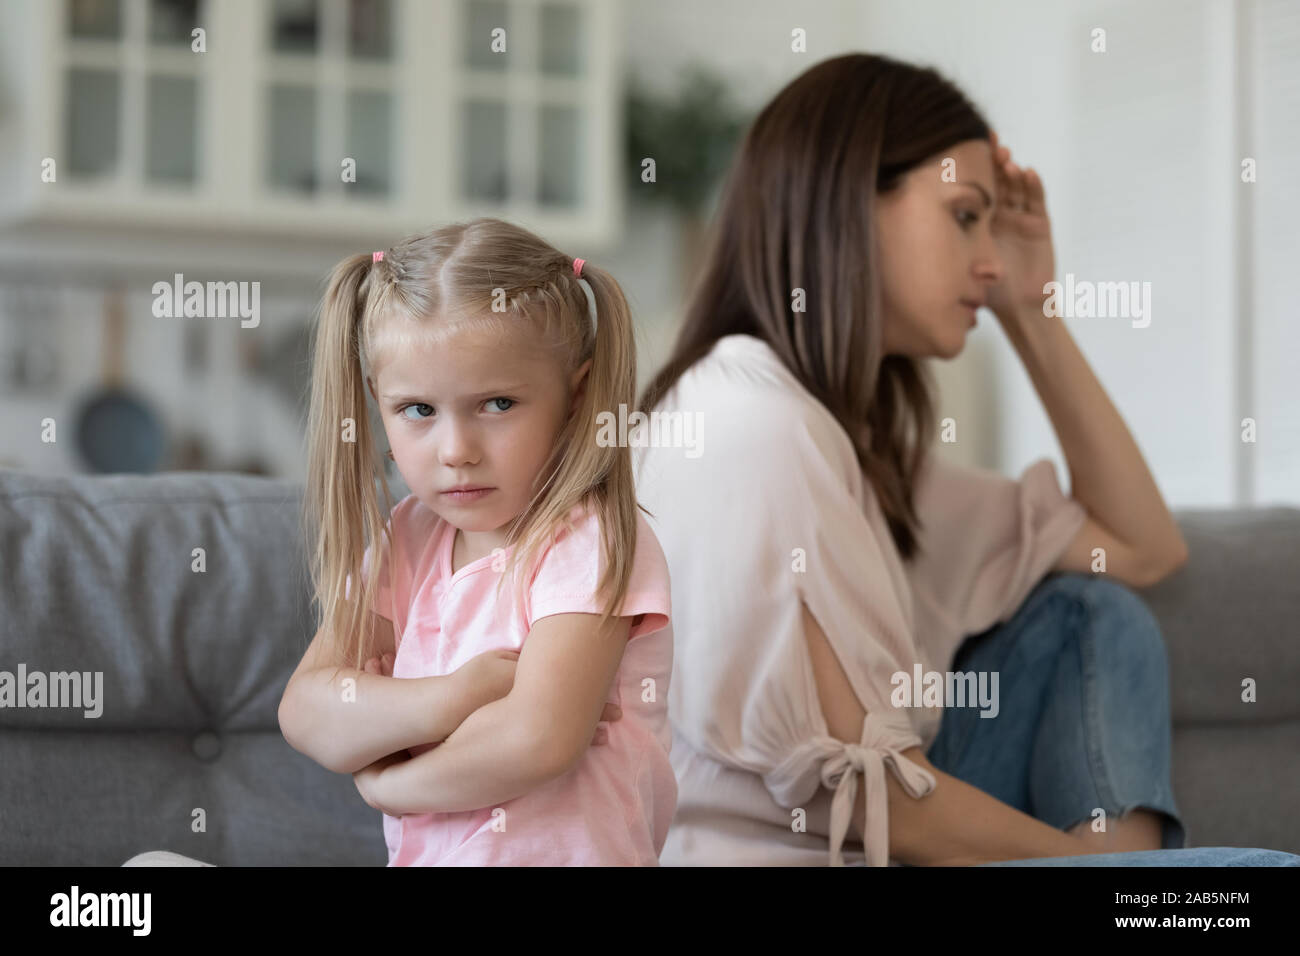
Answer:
[(989, 266)]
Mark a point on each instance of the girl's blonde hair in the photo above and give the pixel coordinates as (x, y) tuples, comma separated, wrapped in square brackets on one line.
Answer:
[(497, 277)]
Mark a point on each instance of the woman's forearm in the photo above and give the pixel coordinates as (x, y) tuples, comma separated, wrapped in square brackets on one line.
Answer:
[(1108, 475), (490, 758), (345, 727), (956, 824)]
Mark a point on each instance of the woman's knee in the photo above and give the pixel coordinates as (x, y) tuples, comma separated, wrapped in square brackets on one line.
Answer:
[(1118, 622)]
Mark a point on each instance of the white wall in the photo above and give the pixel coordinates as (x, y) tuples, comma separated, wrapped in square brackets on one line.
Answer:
[(1273, 391)]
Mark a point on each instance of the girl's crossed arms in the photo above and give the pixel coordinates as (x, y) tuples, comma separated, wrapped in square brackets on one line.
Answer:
[(536, 731)]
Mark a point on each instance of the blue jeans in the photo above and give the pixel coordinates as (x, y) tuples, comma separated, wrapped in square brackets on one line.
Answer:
[(1083, 721)]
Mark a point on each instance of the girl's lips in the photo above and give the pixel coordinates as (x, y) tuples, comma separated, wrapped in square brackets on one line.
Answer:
[(463, 496)]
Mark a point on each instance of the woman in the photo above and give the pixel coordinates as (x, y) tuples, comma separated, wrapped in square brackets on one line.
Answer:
[(823, 562)]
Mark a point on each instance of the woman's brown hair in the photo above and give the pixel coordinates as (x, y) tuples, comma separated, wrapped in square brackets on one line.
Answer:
[(797, 213), (498, 277)]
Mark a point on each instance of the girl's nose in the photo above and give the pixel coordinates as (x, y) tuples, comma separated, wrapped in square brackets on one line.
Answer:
[(456, 445)]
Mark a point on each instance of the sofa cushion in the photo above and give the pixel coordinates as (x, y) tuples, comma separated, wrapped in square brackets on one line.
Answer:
[(1230, 613), (99, 575)]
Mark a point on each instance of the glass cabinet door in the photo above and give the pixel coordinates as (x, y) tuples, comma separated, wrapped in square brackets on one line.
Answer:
[(329, 98), (92, 118), (563, 41), (291, 138), (125, 59), (522, 124), (92, 88)]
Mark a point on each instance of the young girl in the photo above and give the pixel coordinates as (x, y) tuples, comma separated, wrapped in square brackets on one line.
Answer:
[(519, 594)]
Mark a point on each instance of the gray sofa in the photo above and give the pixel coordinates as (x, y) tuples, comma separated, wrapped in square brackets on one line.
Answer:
[(187, 754)]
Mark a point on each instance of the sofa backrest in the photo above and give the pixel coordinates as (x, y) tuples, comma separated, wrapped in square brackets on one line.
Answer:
[(98, 575), (187, 593)]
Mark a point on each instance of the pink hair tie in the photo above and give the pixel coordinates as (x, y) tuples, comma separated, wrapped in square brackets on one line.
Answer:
[(577, 266), (376, 256)]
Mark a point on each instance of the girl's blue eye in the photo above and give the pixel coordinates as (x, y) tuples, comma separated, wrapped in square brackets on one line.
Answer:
[(970, 220), (403, 409), (509, 403)]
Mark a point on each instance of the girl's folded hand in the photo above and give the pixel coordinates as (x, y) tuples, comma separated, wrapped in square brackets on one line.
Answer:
[(611, 713), (367, 781)]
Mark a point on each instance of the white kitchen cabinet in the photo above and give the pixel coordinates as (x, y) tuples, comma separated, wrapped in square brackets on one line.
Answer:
[(249, 138)]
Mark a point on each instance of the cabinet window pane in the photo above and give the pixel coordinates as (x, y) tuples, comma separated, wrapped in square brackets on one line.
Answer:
[(369, 142), (480, 18), (101, 19), (93, 112), (171, 106), (370, 29), (295, 26), (560, 170), (561, 39), (170, 21), (483, 162), (291, 133)]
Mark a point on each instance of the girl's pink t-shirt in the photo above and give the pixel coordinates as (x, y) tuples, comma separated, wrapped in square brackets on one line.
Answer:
[(615, 806)]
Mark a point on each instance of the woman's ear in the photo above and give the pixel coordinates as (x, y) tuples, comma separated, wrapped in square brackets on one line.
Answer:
[(578, 385)]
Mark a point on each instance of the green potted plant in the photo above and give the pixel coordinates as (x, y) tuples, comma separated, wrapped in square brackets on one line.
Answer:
[(691, 137)]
